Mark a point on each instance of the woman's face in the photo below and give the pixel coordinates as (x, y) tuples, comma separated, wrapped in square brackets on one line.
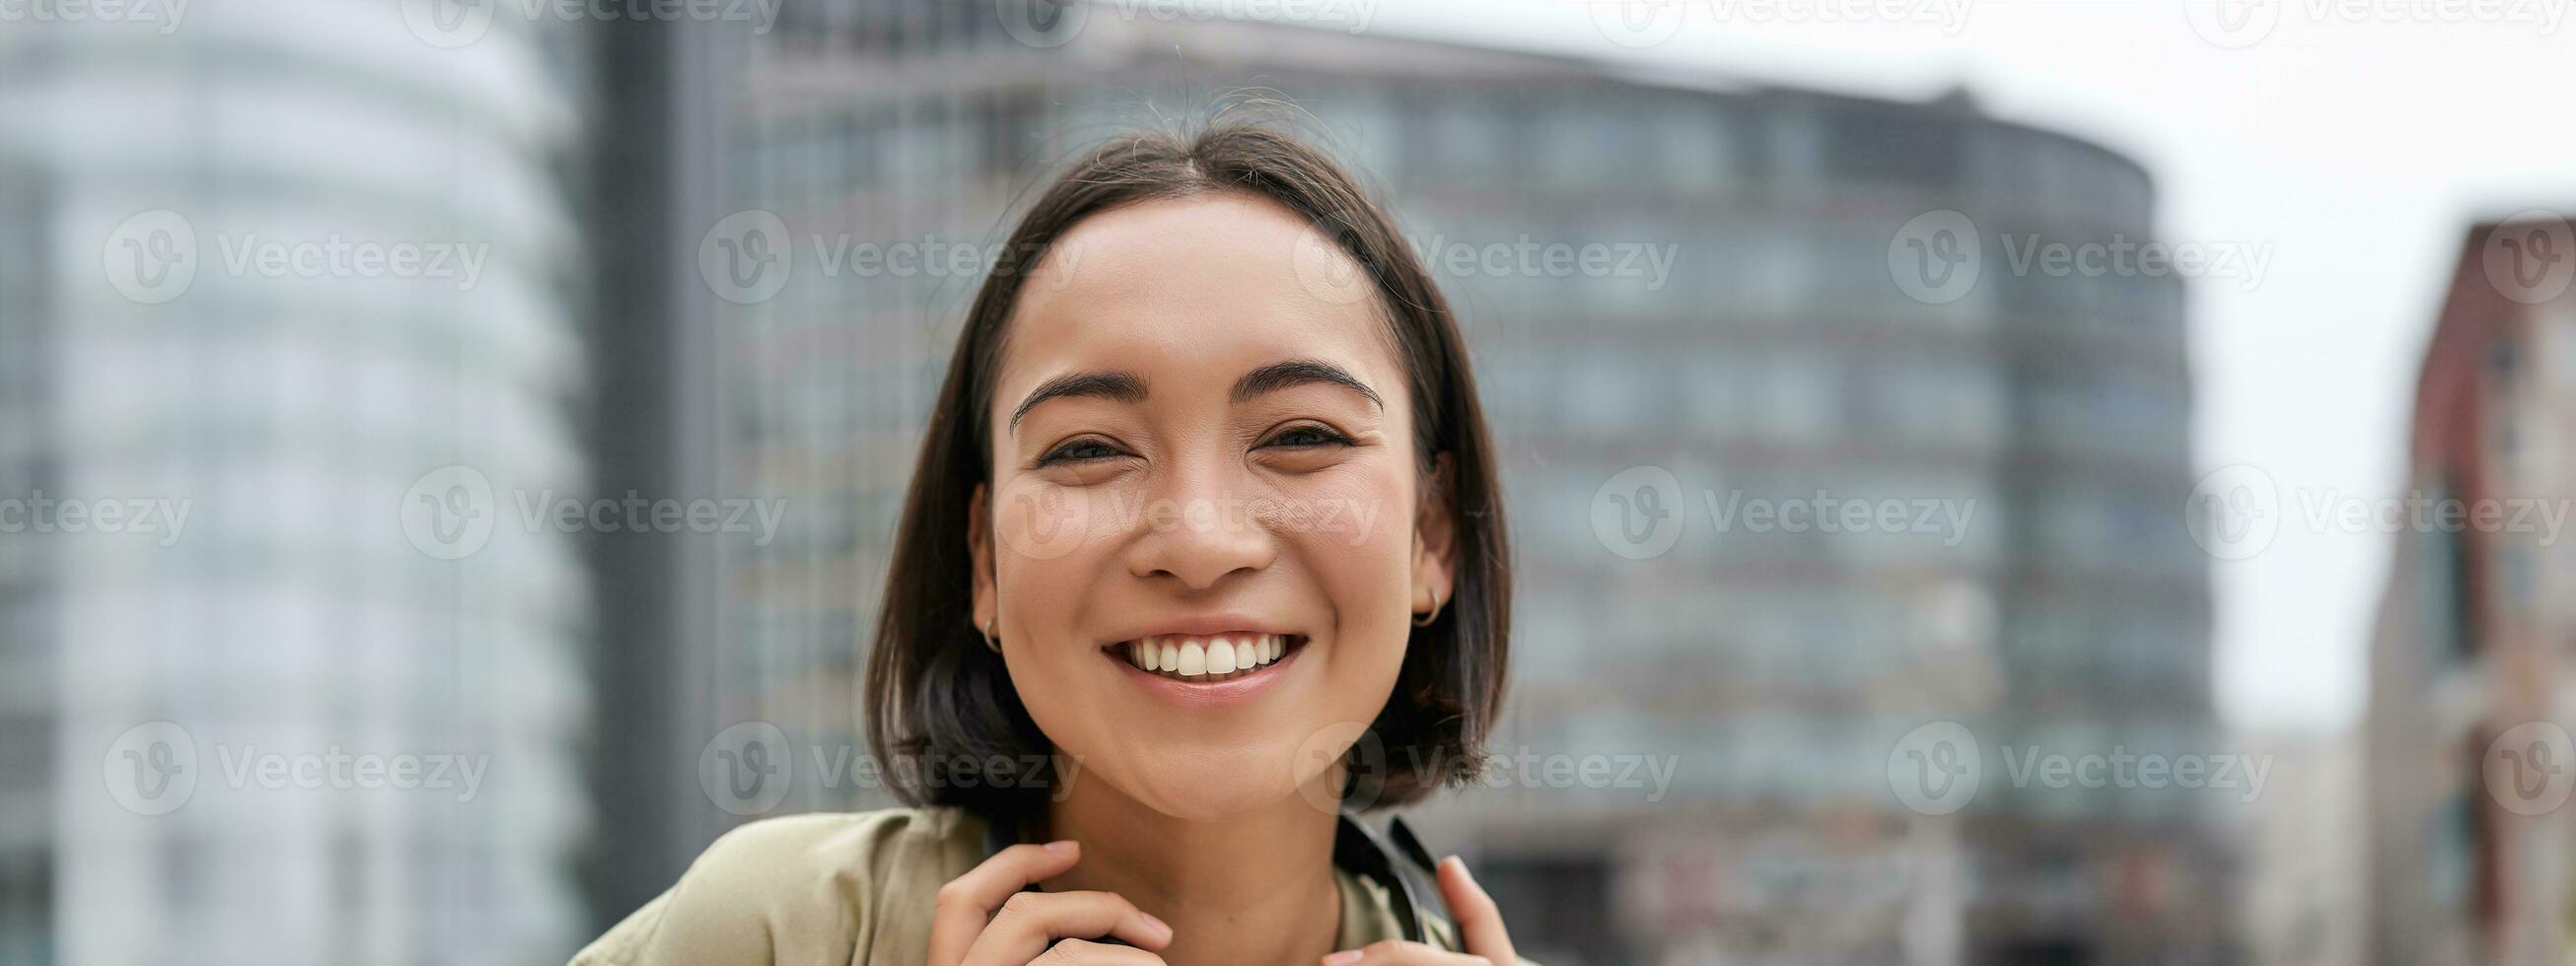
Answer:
[(1203, 455)]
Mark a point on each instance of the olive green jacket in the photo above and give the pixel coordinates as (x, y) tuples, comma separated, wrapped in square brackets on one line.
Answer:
[(853, 888)]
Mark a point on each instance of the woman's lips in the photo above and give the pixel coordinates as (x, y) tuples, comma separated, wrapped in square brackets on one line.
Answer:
[(1209, 657), (1198, 685)]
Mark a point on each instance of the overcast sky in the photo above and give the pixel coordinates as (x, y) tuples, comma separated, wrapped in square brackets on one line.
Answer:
[(2353, 141)]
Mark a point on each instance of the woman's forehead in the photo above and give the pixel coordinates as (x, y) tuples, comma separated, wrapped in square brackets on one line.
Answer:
[(1218, 284)]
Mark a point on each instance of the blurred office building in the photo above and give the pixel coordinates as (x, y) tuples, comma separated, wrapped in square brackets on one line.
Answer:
[(1802, 300), (2473, 692), (255, 711), (2302, 888)]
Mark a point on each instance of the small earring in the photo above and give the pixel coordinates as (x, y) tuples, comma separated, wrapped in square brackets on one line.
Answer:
[(989, 640), (1426, 619)]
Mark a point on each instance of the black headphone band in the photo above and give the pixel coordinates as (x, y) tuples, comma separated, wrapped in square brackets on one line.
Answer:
[(1403, 867)]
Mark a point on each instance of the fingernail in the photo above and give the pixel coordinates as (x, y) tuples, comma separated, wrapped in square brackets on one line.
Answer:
[(1344, 958), (1156, 924), (1060, 845)]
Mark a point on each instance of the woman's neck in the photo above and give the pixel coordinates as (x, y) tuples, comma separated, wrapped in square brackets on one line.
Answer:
[(1253, 889)]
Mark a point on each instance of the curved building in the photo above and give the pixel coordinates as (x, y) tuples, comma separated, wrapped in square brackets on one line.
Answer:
[(306, 265), (1755, 307)]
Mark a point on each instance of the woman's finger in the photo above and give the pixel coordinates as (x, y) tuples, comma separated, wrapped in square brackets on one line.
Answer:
[(1480, 924), (1397, 952), (969, 900), (1029, 922), (1087, 952)]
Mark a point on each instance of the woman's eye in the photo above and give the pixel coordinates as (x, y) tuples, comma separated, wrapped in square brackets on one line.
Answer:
[(1078, 450), (1302, 437)]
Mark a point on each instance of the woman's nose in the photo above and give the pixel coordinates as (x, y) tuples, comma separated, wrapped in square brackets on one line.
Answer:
[(1200, 530)]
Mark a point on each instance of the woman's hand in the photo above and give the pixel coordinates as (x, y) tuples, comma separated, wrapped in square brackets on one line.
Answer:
[(983, 919), (1480, 927)]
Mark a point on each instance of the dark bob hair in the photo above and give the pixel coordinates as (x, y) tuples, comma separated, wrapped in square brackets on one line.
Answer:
[(943, 713)]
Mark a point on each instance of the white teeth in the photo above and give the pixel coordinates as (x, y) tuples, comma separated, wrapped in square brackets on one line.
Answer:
[(1215, 658)]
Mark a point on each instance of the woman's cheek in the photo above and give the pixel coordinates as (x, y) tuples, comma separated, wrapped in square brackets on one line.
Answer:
[(1034, 520)]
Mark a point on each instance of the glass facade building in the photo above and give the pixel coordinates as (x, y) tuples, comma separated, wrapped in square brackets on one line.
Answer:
[(2050, 600), (267, 274)]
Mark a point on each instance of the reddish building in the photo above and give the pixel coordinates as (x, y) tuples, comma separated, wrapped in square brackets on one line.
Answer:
[(2473, 688)]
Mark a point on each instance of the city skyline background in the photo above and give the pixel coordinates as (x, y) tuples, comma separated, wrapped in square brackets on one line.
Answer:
[(388, 466)]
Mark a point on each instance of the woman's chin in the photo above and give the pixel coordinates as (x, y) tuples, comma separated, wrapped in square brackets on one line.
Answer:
[(1213, 794)]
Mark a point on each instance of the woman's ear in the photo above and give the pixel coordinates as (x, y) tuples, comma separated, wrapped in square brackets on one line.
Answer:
[(1435, 540), (979, 556)]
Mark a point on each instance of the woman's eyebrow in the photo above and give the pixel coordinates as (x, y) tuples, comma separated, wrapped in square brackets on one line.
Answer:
[(1298, 372), (1117, 386)]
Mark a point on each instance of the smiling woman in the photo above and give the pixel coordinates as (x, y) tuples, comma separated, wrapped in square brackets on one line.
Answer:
[(1206, 524)]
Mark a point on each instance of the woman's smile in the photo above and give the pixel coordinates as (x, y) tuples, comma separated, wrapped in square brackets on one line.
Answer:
[(1207, 669)]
